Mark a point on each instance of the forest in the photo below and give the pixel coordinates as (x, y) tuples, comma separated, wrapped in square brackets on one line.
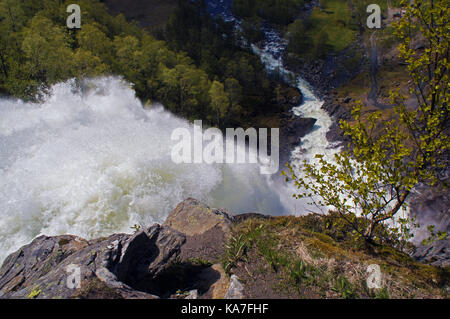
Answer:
[(219, 83)]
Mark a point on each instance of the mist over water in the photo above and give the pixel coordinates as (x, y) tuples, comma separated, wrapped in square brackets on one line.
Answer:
[(313, 143), (94, 161)]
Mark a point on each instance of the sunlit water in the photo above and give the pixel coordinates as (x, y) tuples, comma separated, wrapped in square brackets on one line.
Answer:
[(95, 162)]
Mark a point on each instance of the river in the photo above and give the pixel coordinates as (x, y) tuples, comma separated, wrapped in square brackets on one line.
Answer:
[(95, 161)]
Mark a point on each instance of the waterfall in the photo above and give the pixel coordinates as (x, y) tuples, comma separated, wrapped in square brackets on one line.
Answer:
[(94, 161)]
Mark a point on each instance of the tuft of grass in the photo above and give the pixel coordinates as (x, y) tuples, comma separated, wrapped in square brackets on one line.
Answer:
[(382, 294), (334, 18), (235, 251), (344, 288), (200, 262)]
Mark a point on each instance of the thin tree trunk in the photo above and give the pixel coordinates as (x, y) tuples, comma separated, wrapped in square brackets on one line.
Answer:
[(368, 235)]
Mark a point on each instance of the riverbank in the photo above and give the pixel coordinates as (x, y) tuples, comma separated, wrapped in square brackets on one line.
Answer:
[(202, 252)]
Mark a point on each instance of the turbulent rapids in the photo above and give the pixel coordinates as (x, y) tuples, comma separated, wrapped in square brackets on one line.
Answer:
[(95, 161), (92, 161)]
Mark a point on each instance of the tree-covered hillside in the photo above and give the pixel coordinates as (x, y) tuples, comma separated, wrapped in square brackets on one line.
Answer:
[(218, 84)]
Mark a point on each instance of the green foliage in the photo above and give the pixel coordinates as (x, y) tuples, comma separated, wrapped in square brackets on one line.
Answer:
[(308, 263), (235, 251), (434, 235), (200, 262), (387, 157), (299, 41), (136, 227), (260, 237), (343, 287), (330, 28), (34, 292), (219, 100), (215, 48), (251, 29), (382, 294), (372, 180), (219, 85), (322, 46)]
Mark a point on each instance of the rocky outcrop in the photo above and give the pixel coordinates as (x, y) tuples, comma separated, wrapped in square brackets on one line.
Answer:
[(287, 97), (70, 267), (338, 112), (293, 129), (206, 229), (430, 206), (192, 217), (436, 254), (183, 254), (180, 259)]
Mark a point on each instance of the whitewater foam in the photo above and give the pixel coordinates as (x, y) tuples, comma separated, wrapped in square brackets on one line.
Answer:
[(94, 161)]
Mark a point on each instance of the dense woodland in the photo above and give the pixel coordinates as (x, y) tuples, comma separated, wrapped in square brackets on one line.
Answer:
[(194, 67), (213, 45)]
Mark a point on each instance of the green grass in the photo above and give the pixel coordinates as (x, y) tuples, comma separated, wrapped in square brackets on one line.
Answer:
[(334, 18), (294, 273), (311, 258), (340, 18)]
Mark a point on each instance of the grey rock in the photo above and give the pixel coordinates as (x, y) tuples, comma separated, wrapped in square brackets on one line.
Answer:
[(430, 206), (193, 294), (436, 254), (296, 100), (300, 126), (108, 267), (235, 290), (192, 217)]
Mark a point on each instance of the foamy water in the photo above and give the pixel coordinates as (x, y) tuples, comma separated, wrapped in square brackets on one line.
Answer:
[(314, 142), (95, 162)]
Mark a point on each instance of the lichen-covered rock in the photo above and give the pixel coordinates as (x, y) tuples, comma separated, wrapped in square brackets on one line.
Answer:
[(220, 287), (192, 217), (206, 229), (72, 267), (436, 254), (140, 265)]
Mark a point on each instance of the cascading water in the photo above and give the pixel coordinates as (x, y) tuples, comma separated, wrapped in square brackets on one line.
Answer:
[(273, 47), (314, 142), (92, 162)]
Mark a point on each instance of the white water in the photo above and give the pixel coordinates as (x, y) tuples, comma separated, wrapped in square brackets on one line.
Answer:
[(313, 143), (273, 48), (96, 162)]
